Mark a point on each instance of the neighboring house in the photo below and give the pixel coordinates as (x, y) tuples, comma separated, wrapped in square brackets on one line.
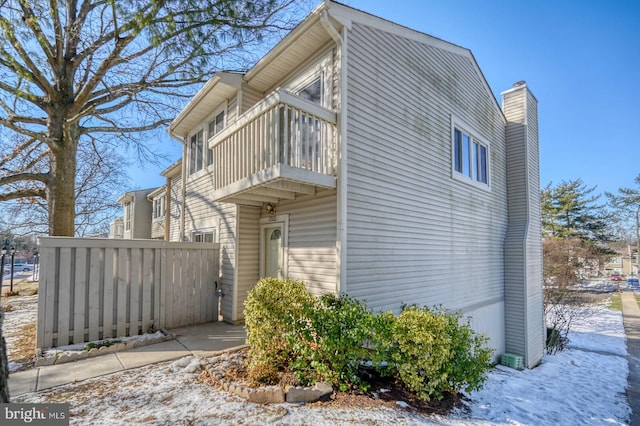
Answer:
[(158, 200), (625, 263), (137, 214), (116, 228), (363, 157)]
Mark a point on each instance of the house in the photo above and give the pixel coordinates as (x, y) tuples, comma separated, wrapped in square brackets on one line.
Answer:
[(136, 219), (363, 157)]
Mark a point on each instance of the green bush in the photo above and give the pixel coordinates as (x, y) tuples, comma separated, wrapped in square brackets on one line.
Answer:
[(274, 310), (423, 346), (331, 347), (469, 359), (431, 351)]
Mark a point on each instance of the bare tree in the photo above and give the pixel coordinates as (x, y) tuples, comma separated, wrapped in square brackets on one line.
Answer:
[(626, 203), (101, 178), (71, 70)]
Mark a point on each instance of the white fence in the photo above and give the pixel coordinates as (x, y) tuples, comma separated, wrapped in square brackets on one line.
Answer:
[(94, 289)]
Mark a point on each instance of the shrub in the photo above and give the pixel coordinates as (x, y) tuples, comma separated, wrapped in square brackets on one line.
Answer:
[(469, 359), (331, 347), (423, 346), (274, 310), (263, 373)]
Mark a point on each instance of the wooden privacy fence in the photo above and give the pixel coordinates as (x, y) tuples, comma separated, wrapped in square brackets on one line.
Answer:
[(94, 289)]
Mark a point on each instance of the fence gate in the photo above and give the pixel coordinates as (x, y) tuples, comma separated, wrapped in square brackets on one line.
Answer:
[(94, 289)]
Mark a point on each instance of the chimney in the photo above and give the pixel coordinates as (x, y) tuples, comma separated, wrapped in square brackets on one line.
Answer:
[(524, 312)]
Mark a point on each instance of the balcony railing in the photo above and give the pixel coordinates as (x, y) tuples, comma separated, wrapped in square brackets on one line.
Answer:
[(282, 130)]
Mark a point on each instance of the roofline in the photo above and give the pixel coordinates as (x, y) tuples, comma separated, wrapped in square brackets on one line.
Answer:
[(170, 171)]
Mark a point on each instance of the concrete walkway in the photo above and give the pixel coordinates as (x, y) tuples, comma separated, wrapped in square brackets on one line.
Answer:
[(631, 314), (200, 340)]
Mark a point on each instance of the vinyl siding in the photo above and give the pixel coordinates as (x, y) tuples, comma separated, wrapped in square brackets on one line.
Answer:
[(248, 257), (415, 234), (175, 208), (202, 213), (312, 240), (523, 251)]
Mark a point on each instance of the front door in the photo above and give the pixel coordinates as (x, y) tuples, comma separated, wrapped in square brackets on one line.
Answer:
[(273, 242), (272, 253)]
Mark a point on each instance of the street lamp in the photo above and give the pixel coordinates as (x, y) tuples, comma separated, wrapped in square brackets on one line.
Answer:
[(12, 251), (3, 250)]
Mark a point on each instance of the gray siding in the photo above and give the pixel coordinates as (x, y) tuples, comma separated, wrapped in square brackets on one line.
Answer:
[(248, 256), (312, 241), (250, 97), (415, 234), (175, 208), (202, 213), (523, 250)]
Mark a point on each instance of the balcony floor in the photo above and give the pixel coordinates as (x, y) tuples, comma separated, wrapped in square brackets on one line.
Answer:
[(277, 183)]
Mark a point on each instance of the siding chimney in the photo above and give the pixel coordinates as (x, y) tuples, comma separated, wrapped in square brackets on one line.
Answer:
[(524, 312)]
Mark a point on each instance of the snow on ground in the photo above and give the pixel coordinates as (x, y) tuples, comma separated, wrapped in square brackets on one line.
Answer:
[(583, 385)]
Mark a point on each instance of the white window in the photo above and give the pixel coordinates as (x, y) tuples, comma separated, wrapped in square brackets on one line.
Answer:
[(204, 236), (196, 152), (159, 207), (127, 216), (312, 91), (215, 126), (470, 156)]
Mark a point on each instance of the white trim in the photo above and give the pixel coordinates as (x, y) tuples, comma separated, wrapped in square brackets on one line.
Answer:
[(281, 221), (342, 172), (457, 123)]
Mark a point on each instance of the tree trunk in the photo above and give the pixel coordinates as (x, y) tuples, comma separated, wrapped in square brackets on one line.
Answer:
[(4, 365), (61, 196)]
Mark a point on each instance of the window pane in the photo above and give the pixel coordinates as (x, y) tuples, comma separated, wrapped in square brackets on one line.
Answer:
[(192, 153), (312, 92), (219, 122), (483, 164), (457, 150), (465, 155), (199, 148)]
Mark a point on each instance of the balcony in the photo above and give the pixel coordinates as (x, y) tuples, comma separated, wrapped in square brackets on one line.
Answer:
[(281, 148)]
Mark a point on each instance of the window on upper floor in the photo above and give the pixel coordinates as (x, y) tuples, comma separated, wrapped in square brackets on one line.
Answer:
[(470, 157), (159, 207), (312, 91), (196, 152), (215, 126), (127, 216)]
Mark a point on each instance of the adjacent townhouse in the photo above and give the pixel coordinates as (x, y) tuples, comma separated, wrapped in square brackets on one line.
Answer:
[(363, 157), (136, 219)]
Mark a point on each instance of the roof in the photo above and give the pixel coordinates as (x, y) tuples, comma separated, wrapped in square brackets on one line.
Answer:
[(315, 31)]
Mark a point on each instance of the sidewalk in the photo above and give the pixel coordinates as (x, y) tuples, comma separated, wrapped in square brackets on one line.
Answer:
[(200, 340), (631, 314)]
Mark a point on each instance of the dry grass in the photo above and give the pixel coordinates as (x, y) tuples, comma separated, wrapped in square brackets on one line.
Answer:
[(23, 349)]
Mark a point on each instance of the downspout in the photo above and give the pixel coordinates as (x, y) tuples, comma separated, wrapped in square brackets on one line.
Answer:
[(183, 181), (341, 152), (167, 211)]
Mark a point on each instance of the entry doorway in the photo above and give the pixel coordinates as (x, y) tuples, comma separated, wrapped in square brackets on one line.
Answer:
[(273, 247)]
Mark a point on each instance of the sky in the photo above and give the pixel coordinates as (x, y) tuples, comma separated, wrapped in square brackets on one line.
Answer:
[(579, 58), (582, 385)]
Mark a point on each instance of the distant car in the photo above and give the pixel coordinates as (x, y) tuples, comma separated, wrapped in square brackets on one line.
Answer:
[(616, 277), (24, 267), (632, 281)]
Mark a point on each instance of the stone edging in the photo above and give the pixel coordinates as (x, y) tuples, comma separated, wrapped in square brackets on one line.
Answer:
[(272, 394), (63, 358)]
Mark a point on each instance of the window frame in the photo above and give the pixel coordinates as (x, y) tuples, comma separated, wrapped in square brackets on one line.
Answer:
[(193, 157), (159, 207), (128, 212), (470, 154), (201, 234)]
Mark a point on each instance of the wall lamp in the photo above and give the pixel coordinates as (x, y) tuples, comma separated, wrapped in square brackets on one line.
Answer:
[(271, 210)]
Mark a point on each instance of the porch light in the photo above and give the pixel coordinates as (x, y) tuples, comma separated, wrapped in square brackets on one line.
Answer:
[(4, 250), (270, 209)]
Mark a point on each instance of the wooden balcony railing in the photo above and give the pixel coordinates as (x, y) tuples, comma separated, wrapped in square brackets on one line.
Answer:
[(283, 129)]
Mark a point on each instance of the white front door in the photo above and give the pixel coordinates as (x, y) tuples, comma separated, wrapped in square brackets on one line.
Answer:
[(272, 253)]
